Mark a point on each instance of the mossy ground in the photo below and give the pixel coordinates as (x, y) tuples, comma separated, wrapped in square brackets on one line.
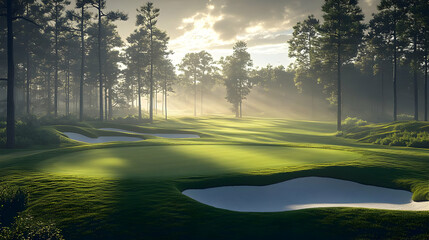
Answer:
[(133, 190)]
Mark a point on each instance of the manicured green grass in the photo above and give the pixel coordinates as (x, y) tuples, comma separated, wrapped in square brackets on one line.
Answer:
[(188, 160), (133, 190)]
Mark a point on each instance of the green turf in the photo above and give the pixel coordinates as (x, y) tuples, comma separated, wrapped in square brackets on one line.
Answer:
[(133, 190), (187, 160)]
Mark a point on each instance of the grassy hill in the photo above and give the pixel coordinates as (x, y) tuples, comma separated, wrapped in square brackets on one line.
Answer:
[(133, 190)]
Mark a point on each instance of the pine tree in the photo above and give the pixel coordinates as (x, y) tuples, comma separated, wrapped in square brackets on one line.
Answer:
[(342, 32)]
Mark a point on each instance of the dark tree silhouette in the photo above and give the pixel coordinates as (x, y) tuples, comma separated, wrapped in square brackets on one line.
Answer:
[(302, 47), (111, 16), (236, 73), (55, 9), (394, 9), (342, 32), (146, 17)]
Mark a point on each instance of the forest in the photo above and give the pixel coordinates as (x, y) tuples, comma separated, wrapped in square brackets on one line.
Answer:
[(107, 136), (69, 60)]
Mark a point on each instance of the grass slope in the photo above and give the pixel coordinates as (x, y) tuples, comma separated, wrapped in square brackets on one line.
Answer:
[(410, 134), (133, 190)]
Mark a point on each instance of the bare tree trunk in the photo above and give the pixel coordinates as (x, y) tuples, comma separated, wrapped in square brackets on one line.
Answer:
[(28, 77), (426, 84), (82, 66), (312, 103), (162, 101), (202, 93), (416, 89), (382, 92), (151, 73), (100, 72), (241, 109), (165, 101), (395, 98), (156, 101), (139, 92), (68, 89), (105, 104), (110, 115), (132, 96), (56, 63), (195, 94), (48, 78), (339, 93), (10, 142)]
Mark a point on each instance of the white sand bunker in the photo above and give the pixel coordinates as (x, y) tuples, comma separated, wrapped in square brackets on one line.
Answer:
[(164, 135), (302, 193), (104, 139)]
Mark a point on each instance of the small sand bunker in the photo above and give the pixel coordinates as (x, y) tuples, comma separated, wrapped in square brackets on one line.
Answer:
[(104, 139), (163, 135), (302, 193)]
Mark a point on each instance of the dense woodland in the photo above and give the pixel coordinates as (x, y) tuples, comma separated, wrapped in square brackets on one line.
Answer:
[(64, 59)]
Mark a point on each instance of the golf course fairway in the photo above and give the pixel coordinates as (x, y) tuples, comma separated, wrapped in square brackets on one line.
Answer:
[(133, 190)]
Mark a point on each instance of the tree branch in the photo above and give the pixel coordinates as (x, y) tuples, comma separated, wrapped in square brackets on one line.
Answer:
[(27, 19)]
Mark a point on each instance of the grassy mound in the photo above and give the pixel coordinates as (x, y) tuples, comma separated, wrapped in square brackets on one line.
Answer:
[(409, 134), (133, 190)]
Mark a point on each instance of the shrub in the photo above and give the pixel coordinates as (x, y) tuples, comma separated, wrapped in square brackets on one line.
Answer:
[(353, 122), (29, 133), (409, 139), (405, 117), (26, 227), (16, 225), (12, 201)]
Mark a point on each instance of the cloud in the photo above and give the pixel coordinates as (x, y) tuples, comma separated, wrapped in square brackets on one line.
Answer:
[(214, 25)]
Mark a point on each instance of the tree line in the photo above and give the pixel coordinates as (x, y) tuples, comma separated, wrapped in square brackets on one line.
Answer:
[(63, 62), (398, 34)]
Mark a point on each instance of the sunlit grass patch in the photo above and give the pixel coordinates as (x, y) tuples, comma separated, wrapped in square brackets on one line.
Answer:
[(132, 190)]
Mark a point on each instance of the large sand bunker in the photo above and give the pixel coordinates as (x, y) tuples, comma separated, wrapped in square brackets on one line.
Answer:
[(302, 193)]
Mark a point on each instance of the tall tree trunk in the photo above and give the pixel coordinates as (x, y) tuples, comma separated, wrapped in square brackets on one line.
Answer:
[(151, 73), (415, 83), (426, 84), (162, 101), (56, 63), (241, 108), (165, 96), (382, 91), (312, 103), (202, 94), (139, 80), (100, 72), (110, 115), (156, 101), (195, 94), (132, 96), (339, 93), (106, 116), (48, 78), (82, 66), (395, 70), (10, 142), (68, 89), (28, 76)]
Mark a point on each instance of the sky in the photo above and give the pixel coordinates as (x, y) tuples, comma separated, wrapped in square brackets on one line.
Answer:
[(214, 25)]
